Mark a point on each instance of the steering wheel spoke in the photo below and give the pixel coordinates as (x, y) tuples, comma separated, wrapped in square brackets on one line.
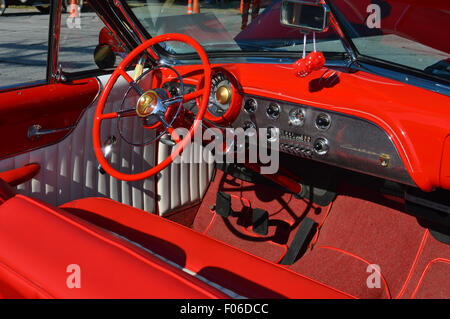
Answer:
[(193, 95), (122, 113), (108, 116), (131, 82), (172, 100), (127, 112)]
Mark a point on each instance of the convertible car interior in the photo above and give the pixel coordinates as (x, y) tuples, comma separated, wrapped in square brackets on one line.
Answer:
[(241, 149)]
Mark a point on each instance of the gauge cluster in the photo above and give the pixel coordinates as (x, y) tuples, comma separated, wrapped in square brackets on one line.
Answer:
[(334, 138), (221, 94), (224, 100)]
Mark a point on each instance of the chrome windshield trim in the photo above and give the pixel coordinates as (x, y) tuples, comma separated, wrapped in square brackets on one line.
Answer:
[(250, 59), (53, 42), (402, 77)]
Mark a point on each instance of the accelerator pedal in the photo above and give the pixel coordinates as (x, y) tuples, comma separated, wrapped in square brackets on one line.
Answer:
[(300, 242)]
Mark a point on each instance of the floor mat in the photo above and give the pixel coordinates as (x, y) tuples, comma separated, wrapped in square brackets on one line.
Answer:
[(366, 245), (437, 271), (285, 214), (429, 276), (370, 230)]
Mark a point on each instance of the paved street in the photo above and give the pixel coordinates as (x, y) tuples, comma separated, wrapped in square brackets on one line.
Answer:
[(23, 45)]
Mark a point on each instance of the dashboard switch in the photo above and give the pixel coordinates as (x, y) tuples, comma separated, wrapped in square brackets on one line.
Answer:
[(323, 121), (273, 110), (321, 146), (250, 106)]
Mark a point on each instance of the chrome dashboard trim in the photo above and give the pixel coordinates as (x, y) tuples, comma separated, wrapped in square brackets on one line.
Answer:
[(403, 77), (353, 143)]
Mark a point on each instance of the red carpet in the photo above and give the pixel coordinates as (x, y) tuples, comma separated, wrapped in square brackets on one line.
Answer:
[(360, 228)]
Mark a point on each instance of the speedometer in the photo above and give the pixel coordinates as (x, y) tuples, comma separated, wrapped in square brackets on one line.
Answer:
[(221, 95)]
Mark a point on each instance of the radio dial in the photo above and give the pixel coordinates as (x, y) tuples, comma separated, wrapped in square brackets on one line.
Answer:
[(297, 117)]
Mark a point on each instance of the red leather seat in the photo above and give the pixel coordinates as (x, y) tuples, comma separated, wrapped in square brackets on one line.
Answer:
[(39, 242), (232, 268), (39, 246)]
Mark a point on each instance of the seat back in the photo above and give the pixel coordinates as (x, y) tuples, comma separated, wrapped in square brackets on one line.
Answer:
[(46, 253)]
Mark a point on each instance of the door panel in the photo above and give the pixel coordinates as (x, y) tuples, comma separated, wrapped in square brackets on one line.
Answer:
[(69, 168), (50, 106)]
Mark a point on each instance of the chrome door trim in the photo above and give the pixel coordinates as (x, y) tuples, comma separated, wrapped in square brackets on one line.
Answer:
[(53, 41)]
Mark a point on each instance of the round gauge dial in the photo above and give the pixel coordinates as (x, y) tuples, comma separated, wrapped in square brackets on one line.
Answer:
[(221, 95), (297, 117)]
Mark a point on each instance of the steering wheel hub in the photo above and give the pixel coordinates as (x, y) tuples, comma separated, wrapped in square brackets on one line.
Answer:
[(147, 103)]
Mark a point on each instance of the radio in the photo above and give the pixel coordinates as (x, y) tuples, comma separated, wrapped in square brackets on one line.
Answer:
[(295, 143)]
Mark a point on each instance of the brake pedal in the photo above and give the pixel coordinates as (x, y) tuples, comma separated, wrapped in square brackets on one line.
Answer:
[(223, 204), (300, 242)]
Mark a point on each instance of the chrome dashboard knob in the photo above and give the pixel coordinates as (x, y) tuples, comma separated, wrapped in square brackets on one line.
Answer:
[(321, 146)]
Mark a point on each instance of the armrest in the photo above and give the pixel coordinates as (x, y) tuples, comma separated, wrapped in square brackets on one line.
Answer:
[(20, 175)]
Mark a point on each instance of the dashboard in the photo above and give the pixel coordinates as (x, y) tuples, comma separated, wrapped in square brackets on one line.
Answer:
[(325, 136), (362, 122)]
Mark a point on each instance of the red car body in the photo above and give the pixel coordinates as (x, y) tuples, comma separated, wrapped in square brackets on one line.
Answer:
[(374, 204)]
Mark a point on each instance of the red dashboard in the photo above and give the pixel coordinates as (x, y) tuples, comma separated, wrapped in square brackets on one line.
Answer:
[(412, 118)]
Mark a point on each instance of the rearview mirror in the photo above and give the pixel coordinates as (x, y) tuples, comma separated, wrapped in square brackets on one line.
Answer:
[(104, 56), (307, 16)]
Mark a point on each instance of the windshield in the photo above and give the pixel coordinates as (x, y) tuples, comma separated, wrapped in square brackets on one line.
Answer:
[(221, 27), (400, 32)]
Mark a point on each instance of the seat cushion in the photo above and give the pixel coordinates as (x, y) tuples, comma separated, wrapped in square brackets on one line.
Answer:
[(46, 252), (234, 269)]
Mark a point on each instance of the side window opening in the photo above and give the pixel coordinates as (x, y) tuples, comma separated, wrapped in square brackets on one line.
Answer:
[(85, 43), (24, 45)]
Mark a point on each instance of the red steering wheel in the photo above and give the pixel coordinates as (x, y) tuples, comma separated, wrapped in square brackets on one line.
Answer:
[(151, 104)]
